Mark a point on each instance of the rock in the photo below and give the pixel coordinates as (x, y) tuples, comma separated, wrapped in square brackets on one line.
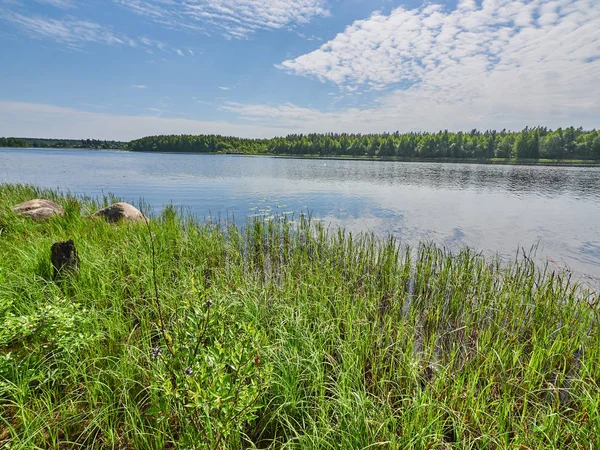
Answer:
[(38, 209), (64, 258), (120, 211)]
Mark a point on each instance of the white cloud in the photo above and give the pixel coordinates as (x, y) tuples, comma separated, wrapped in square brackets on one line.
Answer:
[(72, 32), (153, 43), (179, 52), (406, 112), (234, 18), (63, 4), (512, 62), (39, 120), (139, 86), (191, 52), (486, 64)]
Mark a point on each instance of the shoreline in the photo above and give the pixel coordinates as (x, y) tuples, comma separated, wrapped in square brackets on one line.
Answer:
[(480, 161), (490, 161)]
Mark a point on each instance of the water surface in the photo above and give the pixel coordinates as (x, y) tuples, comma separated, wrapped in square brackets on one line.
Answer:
[(495, 209)]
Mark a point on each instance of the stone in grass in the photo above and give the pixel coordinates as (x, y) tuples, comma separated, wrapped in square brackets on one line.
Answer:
[(38, 209), (120, 211)]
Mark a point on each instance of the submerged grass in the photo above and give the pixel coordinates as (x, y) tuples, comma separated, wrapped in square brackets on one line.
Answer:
[(283, 336)]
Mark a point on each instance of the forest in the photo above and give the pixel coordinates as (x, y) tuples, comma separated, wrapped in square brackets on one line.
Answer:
[(61, 143), (13, 142), (531, 143)]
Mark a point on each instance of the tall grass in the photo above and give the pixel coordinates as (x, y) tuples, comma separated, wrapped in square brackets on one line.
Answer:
[(283, 336)]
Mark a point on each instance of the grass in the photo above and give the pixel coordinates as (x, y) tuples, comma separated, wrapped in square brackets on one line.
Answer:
[(282, 335)]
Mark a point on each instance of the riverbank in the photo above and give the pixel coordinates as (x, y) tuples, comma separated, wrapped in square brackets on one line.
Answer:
[(282, 335)]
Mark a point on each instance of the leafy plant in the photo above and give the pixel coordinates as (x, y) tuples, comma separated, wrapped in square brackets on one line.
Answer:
[(210, 373)]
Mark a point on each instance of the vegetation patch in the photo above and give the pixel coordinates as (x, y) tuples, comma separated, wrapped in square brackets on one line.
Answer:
[(181, 334), (532, 144)]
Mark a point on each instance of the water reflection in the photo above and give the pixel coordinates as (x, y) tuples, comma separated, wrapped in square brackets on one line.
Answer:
[(543, 181), (496, 209)]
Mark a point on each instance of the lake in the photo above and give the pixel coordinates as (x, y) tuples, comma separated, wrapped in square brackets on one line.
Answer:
[(492, 208)]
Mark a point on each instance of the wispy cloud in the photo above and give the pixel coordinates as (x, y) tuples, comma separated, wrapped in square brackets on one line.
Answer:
[(310, 38), (399, 112), (179, 52), (224, 88), (139, 86), (72, 32), (487, 64), (191, 52), (33, 119), (234, 18), (63, 4)]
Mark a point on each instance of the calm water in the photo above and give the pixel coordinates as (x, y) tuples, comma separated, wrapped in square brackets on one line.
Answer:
[(492, 208)]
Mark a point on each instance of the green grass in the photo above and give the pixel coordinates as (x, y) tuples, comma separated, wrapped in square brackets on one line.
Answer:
[(282, 335)]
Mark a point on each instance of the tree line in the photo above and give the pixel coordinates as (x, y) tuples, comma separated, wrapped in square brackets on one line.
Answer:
[(200, 144), (13, 142), (61, 143), (530, 143)]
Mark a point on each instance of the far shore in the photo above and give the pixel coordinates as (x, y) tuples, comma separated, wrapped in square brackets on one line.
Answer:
[(497, 161)]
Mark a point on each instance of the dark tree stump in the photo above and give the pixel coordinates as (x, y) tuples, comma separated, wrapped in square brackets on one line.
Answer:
[(64, 258)]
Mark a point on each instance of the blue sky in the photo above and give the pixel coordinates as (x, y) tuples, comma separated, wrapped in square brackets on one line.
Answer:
[(122, 69)]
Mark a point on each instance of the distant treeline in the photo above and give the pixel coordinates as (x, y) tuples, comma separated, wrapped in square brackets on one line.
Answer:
[(12, 142), (201, 144), (60, 143), (531, 143)]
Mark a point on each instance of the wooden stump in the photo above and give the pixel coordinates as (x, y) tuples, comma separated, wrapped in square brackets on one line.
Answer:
[(64, 258)]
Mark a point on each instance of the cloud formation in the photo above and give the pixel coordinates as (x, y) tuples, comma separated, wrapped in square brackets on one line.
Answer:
[(73, 32), (41, 120), (234, 18), (515, 61), (63, 4), (487, 64), (429, 46)]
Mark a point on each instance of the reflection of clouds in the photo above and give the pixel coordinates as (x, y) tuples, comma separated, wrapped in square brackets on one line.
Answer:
[(587, 253), (547, 181), (495, 209), (456, 239)]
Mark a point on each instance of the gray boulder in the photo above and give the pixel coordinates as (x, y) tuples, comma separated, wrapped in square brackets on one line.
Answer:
[(120, 211), (38, 209)]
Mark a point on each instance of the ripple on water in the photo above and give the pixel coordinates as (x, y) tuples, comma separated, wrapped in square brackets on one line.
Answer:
[(493, 208)]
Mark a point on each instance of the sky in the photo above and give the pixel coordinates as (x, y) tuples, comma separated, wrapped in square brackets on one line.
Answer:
[(124, 69)]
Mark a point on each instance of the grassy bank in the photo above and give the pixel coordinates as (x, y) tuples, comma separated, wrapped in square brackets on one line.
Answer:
[(282, 336)]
